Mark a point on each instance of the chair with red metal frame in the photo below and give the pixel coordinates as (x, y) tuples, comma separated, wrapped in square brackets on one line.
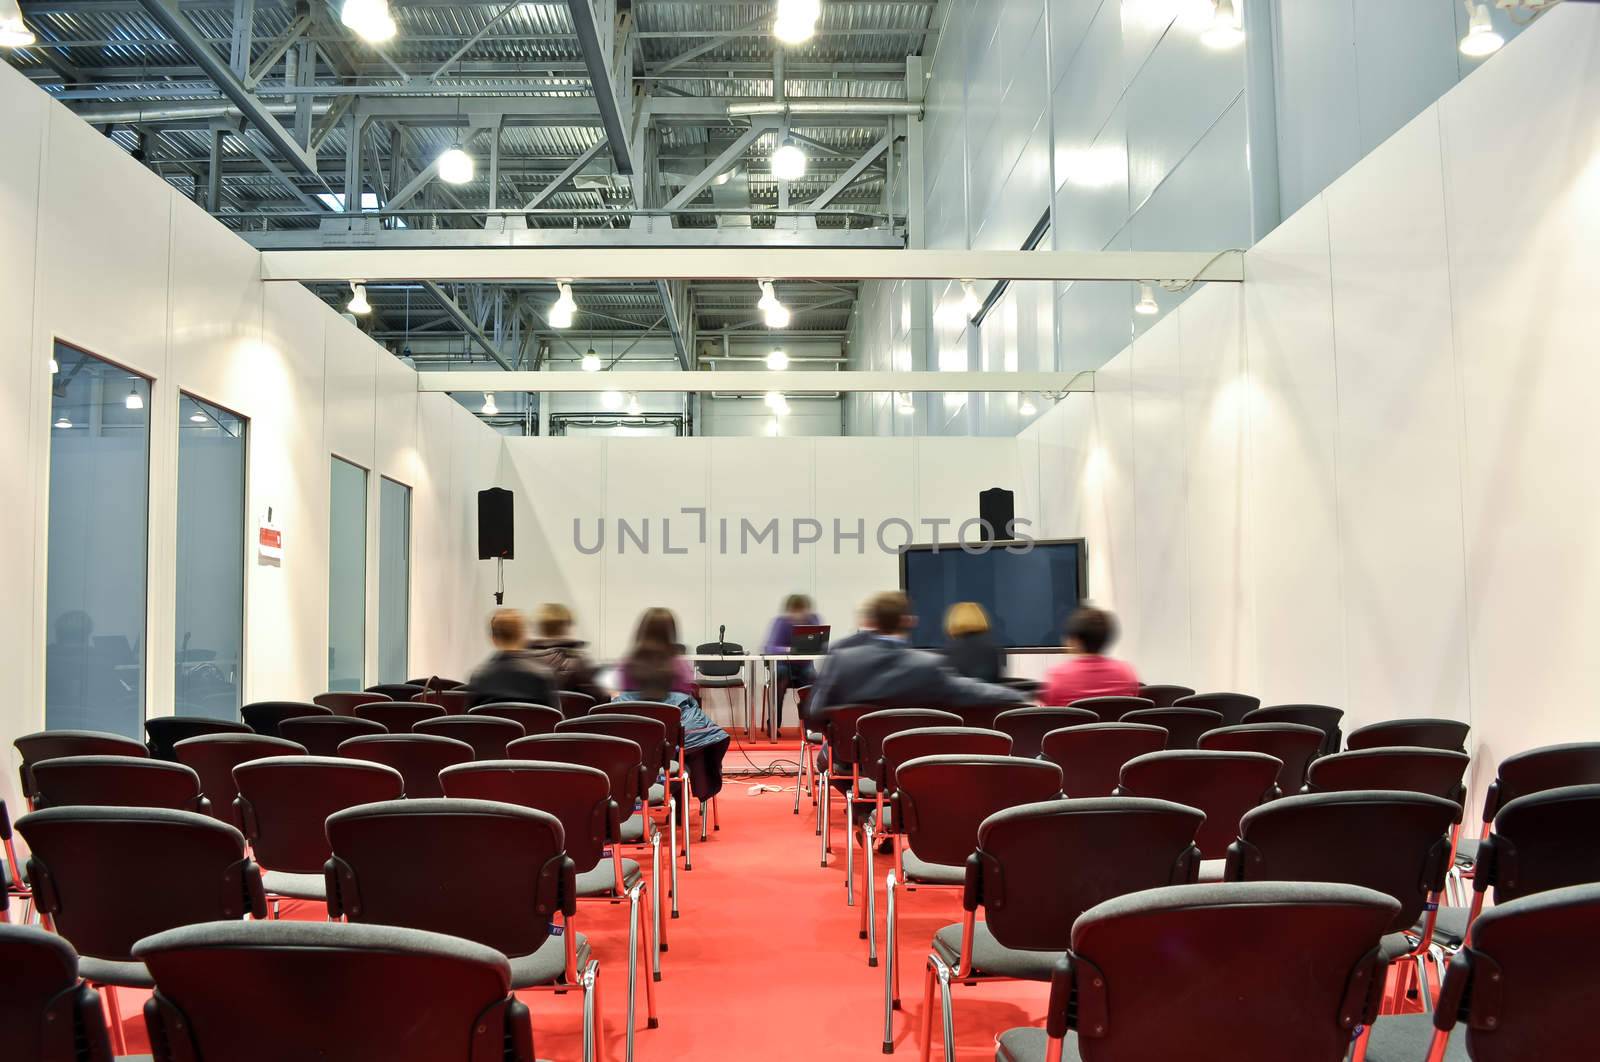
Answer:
[(1112, 709), (1414, 770), (1534, 771), (811, 741), (215, 756), (163, 732), (487, 734), (1294, 744), (1447, 734), (842, 774), (574, 704), (12, 886), (1395, 842), (418, 757), (938, 804), (980, 716), (1091, 756), (491, 872), (1183, 725), (654, 755), (434, 682), (454, 702), (1233, 706), (1224, 785), (117, 782), (105, 878), (285, 802), (341, 702), (53, 744), (1248, 971), (401, 717), (47, 1013), (1163, 695), (677, 774), (1324, 717), (535, 718), (1522, 989), (396, 691), (264, 717), (352, 992), (1036, 869), (1028, 726), (323, 734)]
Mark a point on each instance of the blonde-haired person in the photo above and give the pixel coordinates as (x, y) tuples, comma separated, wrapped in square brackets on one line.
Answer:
[(563, 655), (969, 647)]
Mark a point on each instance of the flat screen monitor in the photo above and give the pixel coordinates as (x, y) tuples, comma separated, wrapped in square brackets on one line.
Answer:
[(1027, 594)]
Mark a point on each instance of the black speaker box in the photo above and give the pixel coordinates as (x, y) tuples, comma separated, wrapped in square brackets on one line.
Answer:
[(997, 507), (495, 537)]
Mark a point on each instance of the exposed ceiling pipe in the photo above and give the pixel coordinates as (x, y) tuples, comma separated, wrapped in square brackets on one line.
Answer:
[(191, 111), (802, 106)]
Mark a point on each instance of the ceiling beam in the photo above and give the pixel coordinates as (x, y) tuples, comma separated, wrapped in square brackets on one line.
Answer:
[(730, 154), (598, 60), (849, 176), (468, 325), (572, 170), (757, 380)]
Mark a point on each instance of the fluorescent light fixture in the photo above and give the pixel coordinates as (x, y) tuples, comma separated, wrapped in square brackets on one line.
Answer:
[(1026, 407), (611, 400), (564, 309), (777, 361), (134, 400), (796, 20), (1224, 32), (773, 428), (1481, 38), (1147, 307), (368, 19), (591, 361), (197, 417), (14, 32), (970, 303), (358, 303), (489, 408), (788, 162), (455, 166), (63, 421), (634, 409)]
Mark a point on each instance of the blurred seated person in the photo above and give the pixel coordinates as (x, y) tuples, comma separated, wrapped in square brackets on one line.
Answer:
[(512, 672), (654, 670), (1087, 671), (797, 612), (969, 647), (560, 653), (860, 636)]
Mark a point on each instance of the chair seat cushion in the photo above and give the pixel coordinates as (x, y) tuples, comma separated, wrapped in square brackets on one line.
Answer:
[(601, 879), (127, 974), (295, 886), (932, 873), (547, 965), (658, 796), (989, 956), (705, 682), (1450, 927), (1467, 850), (633, 829), (1031, 1045), (1405, 1038), (1395, 945)]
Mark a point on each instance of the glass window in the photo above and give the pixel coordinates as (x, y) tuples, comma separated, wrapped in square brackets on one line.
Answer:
[(211, 559), (347, 577), (394, 579), (99, 522)]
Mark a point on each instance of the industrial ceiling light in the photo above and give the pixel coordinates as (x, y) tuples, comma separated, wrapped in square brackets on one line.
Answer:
[(489, 408), (1026, 407), (591, 361), (358, 303), (788, 162), (776, 402), (564, 309), (14, 32), (1481, 38), (611, 400), (904, 403), (63, 421), (197, 417), (134, 400), (455, 166), (773, 312), (1147, 306), (796, 20), (970, 303), (777, 361), (634, 409), (1224, 32), (368, 19)]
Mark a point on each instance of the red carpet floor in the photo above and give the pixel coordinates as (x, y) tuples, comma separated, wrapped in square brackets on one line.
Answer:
[(763, 964)]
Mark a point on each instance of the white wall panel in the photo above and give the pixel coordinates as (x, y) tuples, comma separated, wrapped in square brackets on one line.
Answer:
[(851, 490), (1111, 524), (351, 393), (556, 483)]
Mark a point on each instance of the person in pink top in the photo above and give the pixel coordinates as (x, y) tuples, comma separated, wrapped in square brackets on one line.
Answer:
[(1087, 672)]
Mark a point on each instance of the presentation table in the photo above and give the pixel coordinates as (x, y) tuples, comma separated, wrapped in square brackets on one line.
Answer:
[(767, 682)]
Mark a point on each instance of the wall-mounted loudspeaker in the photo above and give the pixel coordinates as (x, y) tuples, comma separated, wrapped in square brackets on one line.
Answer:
[(997, 507), (495, 537)]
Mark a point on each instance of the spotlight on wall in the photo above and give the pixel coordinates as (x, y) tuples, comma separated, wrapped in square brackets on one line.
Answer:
[(368, 19), (611, 400), (788, 162), (14, 32), (564, 309), (358, 303), (777, 361), (796, 20), (455, 166), (134, 400), (591, 361), (489, 408), (1481, 38), (1147, 306), (1224, 32)]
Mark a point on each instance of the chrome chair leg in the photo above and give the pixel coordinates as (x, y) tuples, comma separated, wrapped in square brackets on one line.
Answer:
[(702, 820), (657, 945), (948, 1012), (633, 967), (872, 893), (823, 831), (672, 847), (591, 1009), (888, 972), (849, 850), (683, 796)]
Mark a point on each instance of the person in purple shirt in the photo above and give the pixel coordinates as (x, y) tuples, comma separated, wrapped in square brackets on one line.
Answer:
[(797, 612)]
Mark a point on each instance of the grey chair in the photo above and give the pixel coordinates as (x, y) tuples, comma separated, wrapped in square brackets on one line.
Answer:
[(726, 675), (1296, 745), (51, 744), (47, 1012), (117, 781), (1224, 785), (418, 757), (1233, 706), (323, 734), (1321, 716), (488, 735), (1091, 757), (1028, 726), (1183, 725), (1447, 734), (214, 756), (535, 718)]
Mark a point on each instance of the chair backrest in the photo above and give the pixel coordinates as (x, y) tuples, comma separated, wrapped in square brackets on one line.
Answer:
[(1522, 988), (1254, 972), (336, 986), (1039, 866), (1091, 757), (111, 876), (838, 725), (1183, 725), (46, 1013), (165, 731), (1447, 734), (215, 756), (906, 745), (487, 735), (668, 715), (323, 734), (577, 797), (1163, 695), (397, 691), (285, 804), (980, 716), (717, 668), (399, 716), (1112, 709), (116, 782), (1224, 785), (341, 702), (418, 757), (434, 682), (647, 733), (1536, 770), (488, 871), (618, 758), (874, 727), (1540, 842), (574, 704), (534, 718), (264, 717), (940, 801), (53, 744), (1324, 717), (1397, 843), (1296, 745), (1413, 770), (1028, 726), (454, 701), (1233, 706)]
